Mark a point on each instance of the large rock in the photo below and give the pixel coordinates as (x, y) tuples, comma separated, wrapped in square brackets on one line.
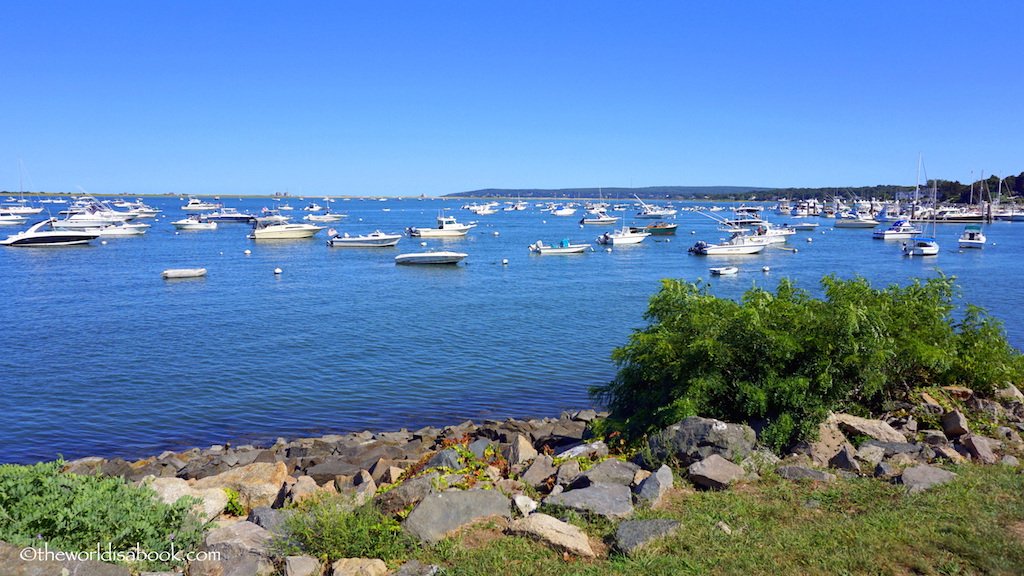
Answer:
[(875, 429), (793, 472), (328, 470), (241, 549), (611, 471), (979, 447), (830, 441), (714, 472), (609, 500), (695, 438), (920, 478), (632, 535), (955, 424), (519, 450), (259, 484), (439, 514), (408, 493), (553, 532), (539, 472), (301, 566), (359, 567), (211, 500), (653, 488), (24, 561)]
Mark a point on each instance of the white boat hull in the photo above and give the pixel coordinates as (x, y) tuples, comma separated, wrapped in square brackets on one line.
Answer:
[(430, 258), (285, 232), (375, 240), (183, 272)]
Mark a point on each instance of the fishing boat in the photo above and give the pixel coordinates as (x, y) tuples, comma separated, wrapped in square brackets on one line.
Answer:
[(900, 230), (197, 204), (47, 233), (563, 247), (439, 257), (972, 237), (562, 210), (623, 236), (10, 218), (376, 239), (446, 226)]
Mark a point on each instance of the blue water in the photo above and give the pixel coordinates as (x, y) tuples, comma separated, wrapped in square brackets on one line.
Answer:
[(101, 356)]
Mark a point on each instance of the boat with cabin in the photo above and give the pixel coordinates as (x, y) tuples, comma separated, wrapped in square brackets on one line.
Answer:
[(563, 247), (48, 233), (447, 226), (972, 237), (900, 230), (622, 236), (376, 239)]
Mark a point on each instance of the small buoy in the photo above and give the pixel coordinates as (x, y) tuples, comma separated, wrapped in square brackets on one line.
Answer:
[(607, 249), (247, 252), (795, 250), (822, 231), (423, 243), (495, 232), (221, 253), (810, 240), (104, 242), (765, 269), (504, 261), (543, 221), (175, 233), (693, 231), (360, 219), (277, 270), (668, 239)]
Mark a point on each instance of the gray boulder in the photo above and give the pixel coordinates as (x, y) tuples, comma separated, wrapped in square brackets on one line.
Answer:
[(439, 514), (611, 471), (609, 500), (979, 447), (408, 492), (539, 471), (792, 472), (568, 471), (875, 429), (632, 535), (653, 489), (954, 424), (448, 458), (714, 472), (920, 478), (845, 459), (695, 438), (301, 566), (242, 550)]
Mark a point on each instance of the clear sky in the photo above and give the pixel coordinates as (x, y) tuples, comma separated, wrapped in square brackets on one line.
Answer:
[(427, 97)]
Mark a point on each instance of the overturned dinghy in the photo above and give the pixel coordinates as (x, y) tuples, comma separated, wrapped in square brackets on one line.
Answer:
[(183, 273)]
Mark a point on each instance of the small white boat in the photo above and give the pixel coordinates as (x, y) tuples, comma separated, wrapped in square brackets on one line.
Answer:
[(47, 233), (806, 226), (376, 239), (10, 218), (623, 236), (440, 257), (738, 243), (283, 231), (564, 247), (229, 215), (194, 222), (921, 247), (651, 212), (972, 237), (856, 220), (563, 211), (900, 230), (313, 207), (183, 272), (124, 229), (600, 218), (325, 217), (446, 226), (725, 271), (197, 204)]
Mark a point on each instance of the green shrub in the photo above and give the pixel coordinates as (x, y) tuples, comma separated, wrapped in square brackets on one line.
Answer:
[(40, 505), (785, 359), (327, 527)]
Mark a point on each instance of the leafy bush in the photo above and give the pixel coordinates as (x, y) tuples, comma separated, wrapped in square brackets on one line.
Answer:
[(784, 360), (326, 526), (40, 505)]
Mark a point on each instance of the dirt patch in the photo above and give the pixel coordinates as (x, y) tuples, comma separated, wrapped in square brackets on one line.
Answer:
[(1017, 531), (484, 532)]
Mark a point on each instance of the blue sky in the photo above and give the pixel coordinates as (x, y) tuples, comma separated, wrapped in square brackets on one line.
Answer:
[(410, 98)]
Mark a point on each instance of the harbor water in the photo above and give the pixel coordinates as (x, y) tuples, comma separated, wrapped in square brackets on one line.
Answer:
[(104, 357)]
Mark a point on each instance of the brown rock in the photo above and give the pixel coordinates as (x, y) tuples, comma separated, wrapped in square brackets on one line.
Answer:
[(258, 484), (871, 428)]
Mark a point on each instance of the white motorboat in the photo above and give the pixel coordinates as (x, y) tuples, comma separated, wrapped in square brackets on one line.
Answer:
[(856, 220), (376, 239), (10, 218), (599, 218), (283, 231), (229, 215), (563, 247), (562, 210), (972, 237), (313, 207), (124, 229), (47, 233), (194, 222), (20, 207), (446, 226), (197, 204), (94, 216), (439, 257), (325, 217), (183, 273), (921, 247), (900, 230), (725, 271), (652, 212), (738, 243), (807, 226), (622, 236)]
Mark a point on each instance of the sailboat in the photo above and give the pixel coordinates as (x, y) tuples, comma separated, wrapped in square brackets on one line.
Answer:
[(922, 246)]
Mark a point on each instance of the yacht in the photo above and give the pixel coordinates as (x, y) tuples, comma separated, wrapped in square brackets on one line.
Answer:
[(47, 233), (283, 231), (197, 204)]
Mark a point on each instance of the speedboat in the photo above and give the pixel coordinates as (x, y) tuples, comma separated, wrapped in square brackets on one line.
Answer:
[(325, 217), (921, 247), (656, 229), (900, 230), (194, 222), (725, 271), (972, 237), (440, 257), (563, 247), (313, 207), (197, 204), (738, 243), (446, 226), (623, 236), (124, 229), (376, 239), (600, 217), (46, 233), (10, 218), (229, 215), (855, 220), (283, 231), (562, 210)]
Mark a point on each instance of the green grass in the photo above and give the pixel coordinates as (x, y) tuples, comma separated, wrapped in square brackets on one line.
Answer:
[(858, 526)]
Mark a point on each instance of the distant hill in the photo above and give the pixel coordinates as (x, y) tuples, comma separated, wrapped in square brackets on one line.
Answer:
[(652, 192)]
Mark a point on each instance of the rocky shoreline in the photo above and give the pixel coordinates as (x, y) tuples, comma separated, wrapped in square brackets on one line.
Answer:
[(440, 480)]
